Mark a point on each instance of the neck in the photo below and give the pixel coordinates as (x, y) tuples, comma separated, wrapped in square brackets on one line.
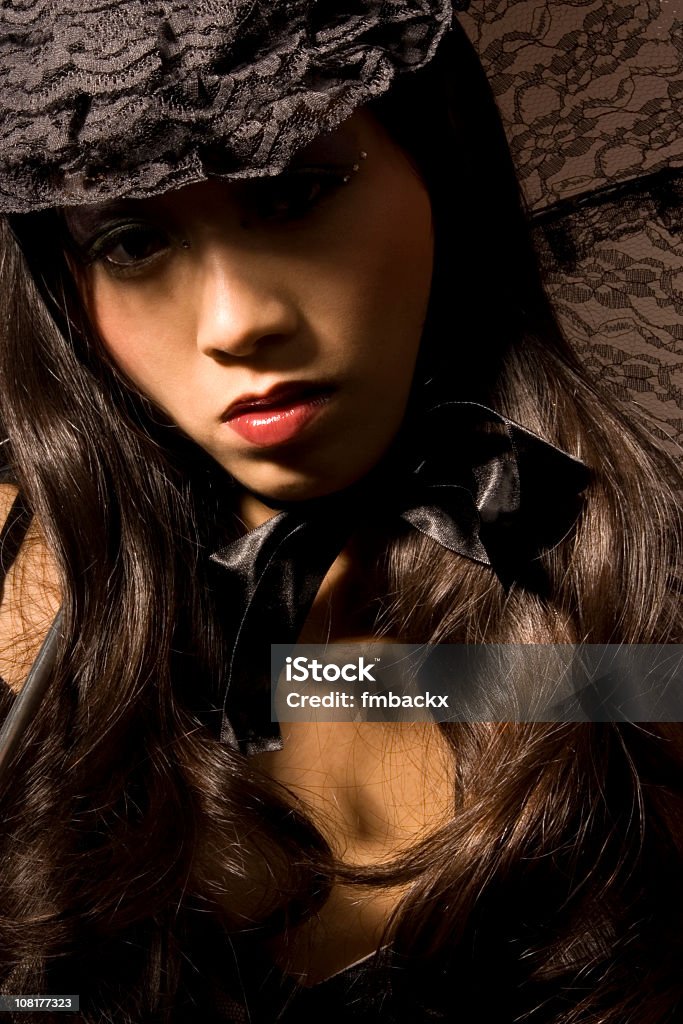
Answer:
[(252, 511)]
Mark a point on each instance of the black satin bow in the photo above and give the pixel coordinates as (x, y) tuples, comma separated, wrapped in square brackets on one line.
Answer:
[(474, 481)]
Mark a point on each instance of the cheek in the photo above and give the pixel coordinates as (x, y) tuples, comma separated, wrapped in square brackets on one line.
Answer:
[(393, 273), (404, 267), (141, 330)]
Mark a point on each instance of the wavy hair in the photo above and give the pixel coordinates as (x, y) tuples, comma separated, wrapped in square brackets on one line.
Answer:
[(135, 848)]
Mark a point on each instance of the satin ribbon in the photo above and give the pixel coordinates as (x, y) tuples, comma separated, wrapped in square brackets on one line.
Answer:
[(473, 480)]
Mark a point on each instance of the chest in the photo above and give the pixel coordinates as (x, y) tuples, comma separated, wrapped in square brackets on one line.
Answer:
[(373, 790)]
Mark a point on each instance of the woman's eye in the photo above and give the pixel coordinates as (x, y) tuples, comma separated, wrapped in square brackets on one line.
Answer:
[(292, 195), (131, 246), (127, 248)]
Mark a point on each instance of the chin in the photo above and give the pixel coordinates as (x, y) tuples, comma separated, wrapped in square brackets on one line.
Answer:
[(286, 486)]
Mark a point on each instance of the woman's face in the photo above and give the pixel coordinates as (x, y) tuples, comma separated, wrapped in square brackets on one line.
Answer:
[(276, 322)]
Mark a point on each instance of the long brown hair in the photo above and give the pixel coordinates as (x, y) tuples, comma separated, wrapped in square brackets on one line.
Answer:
[(133, 843)]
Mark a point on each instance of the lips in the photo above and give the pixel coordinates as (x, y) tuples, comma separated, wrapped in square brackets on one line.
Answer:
[(279, 414), (277, 396)]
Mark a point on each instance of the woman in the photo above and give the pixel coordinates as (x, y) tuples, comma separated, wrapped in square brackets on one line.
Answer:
[(188, 350)]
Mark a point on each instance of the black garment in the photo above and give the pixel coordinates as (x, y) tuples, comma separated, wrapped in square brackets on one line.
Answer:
[(356, 994), (379, 987)]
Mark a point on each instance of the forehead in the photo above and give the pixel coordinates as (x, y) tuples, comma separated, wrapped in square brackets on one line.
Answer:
[(341, 146)]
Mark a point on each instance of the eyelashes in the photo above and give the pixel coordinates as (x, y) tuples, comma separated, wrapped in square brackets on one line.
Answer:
[(126, 245), (132, 246), (292, 195)]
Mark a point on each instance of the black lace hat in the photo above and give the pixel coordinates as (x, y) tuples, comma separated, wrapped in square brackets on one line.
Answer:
[(140, 96)]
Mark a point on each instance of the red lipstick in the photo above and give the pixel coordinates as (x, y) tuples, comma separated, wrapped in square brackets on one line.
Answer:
[(279, 414)]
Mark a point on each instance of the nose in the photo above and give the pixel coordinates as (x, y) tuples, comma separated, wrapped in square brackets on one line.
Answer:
[(242, 305)]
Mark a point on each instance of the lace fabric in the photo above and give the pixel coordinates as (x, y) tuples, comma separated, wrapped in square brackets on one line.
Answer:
[(135, 97), (590, 92), (614, 270)]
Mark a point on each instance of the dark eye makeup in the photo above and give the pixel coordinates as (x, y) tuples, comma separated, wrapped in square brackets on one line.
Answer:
[(126, 244), (292, 195)]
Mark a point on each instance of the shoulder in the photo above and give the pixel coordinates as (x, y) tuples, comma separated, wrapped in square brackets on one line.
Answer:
[(29, 591)]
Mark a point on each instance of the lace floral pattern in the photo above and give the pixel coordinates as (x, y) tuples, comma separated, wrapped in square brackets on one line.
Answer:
[(591, 93), (615, 273), (133, 97), (590, 90)]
